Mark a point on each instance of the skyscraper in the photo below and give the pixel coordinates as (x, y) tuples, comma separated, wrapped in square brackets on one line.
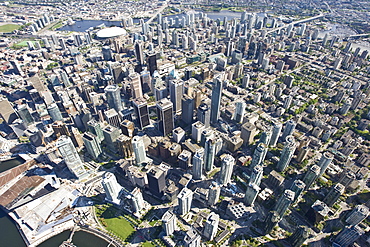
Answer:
[(297, 187), (25, 115), (266, 136), (311, 175), (276, 130), (289, 129), (249, 131), (112, 117), (348, 236), (135, 84), (70, 156), (209, 153), (226, 169), (111, 187), (257, 174), (287, 102), (325, 161), (54, 112), (95, 128), (92, 145), (169, 222), (271, 221), (187, 109), (204, 114), (259, 155), (357, 215), (139, 52), (184, 159), (192, 239), (185, 198), (211, 226), (196, 131), (152, 62), (111, 135), (146, 81), (178, 135), (142, 112), (251, 194), (216, 100), (124, 146), (176, 88), (107, 53), (286, 154), (302, 154), (300, 235), (358, 97), (239, 112), (284, 202), (137, 200), (160, 90), (213, 193), (139, 150), (198, 164), (60, 129), (127, 128), (334, 194), (165, 116), (113, 95), (156, 181), (76, 138)]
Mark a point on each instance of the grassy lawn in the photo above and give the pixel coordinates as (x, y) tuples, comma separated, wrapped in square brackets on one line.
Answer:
[(148, 244), (22, 44), (117, 224), (8, 28), (153, 222), (57, 25), (120, 227)]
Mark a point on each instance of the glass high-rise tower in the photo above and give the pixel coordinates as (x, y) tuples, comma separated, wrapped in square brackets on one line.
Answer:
[(114, 97), (216, 100), (70, 156), (165, 116)]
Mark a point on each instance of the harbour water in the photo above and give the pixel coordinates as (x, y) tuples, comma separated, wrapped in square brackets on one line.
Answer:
[(9, 234), (80, 239), (9, 164), (83, 25)]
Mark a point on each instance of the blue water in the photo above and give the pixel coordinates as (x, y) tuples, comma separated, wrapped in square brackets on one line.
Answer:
[(9, 234), (80, 239), (9, 164), (82, 26)]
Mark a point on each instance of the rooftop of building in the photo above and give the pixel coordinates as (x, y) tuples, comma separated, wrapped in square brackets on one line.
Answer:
[(111, 32)]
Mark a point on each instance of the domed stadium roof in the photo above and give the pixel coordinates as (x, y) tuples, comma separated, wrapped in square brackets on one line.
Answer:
[(110, 32)]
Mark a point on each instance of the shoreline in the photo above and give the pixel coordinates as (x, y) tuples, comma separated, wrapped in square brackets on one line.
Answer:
[(69, 225)]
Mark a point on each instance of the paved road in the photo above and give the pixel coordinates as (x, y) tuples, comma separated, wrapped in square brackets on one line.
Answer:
[(297, 22)]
